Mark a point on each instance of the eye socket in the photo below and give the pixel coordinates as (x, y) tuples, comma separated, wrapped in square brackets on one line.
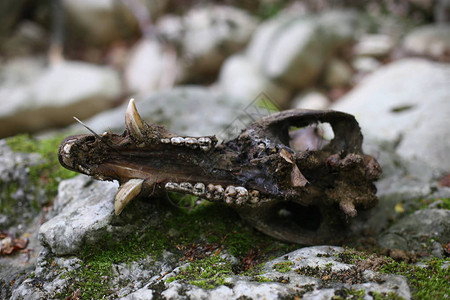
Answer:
[(311, 137)]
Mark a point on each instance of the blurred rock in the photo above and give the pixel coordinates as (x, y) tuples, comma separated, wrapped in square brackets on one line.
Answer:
[(365, 64), (38, 97), (417, 232), (294, 50), (27, 39), (240, 79), (147, 68), (377, 45), (178, 108), (99, 22), (442, 11), (311, 100), (429, 40), (206, 35), (337, 74), (406, 104), (10, 12)]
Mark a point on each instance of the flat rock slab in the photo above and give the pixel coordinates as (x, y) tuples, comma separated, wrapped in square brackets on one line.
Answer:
[(85, 208), (291, 282)]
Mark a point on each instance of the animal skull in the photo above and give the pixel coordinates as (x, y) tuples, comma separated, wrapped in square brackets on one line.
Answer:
[(304, 196)]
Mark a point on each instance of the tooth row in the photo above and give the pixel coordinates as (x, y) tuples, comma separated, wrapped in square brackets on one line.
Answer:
[(204, 143), (231, 194)]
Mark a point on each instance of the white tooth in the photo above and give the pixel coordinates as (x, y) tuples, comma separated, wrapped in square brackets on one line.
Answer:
[(199, 189), (133, 121), (171, 186), (218, 192), (178, 141), (84, 170), (230, 191), (242, 195), (127, 192), (186, 186), (254, 200), (67, 148), (205, 143), (229, 200), (242, 192), (165, 141), (254, 196), (210, 191), (191, 142)]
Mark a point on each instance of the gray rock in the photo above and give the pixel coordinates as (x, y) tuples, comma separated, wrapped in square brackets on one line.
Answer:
[(99, 22), (320, 257), (311, 100), (376, 45), (429, 40), (419, 231), (294, 50), (40, 97), (337, 74), (84, 210), (405, 104), (148, 68), (207, 35), (10, 11), (17, 194), (442, 11), (190, 110), (240, 78)]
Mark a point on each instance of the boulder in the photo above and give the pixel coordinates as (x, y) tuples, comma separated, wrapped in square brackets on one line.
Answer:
[(418, 232), (240, 78), (148, 67), (189, 110), (99, 22), (376, 45), (429, 40), (294, 50), (405, 104), (39, 97), (206, 35)]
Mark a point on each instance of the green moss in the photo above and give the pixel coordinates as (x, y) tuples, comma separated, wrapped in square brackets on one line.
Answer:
[(349, 294), (7, 202), (385, 296), (443, 203), (199, 228), (206, 273), (48, 174), (431, 282), (283, 267)]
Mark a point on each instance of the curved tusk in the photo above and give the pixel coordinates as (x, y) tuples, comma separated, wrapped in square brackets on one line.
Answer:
[(127, 192), (133, 121)]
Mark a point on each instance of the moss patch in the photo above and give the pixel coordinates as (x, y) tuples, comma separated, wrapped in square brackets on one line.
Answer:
[(431, 282), (206, 273), (48, 174), (283, 267), (198, 235)]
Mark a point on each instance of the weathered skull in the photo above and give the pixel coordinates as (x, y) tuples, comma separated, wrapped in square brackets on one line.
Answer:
[(303, 196)]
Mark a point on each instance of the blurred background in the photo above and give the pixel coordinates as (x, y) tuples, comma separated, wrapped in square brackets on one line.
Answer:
[(199, 61)]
